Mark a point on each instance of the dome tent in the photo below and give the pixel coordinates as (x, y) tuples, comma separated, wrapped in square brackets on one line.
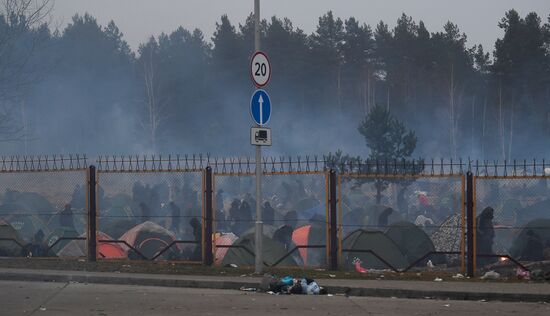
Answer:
[(376, 241), (539, 229), (242, 255), (413, 242), (13, 245), (150, 239)]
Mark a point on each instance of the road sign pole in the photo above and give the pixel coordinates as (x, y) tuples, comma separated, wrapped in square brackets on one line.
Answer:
[(259, 224)]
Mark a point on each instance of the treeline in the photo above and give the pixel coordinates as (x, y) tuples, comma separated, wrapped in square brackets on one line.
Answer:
[(83, 89)]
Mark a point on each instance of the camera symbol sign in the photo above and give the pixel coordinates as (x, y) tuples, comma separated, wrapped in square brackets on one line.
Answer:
[(260, 107)]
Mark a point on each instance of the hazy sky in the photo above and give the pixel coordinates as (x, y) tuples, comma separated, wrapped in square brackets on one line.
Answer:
[(139, 19)]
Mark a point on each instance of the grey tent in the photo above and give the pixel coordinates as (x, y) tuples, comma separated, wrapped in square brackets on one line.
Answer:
[(413, 242), (535, 211), (27, 226), (27, 201), (538, 229), (11, 244), (68, 233), (359, 241), (242, 250)]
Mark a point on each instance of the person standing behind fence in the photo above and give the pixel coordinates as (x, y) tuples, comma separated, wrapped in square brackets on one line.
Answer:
[(145, 212), (176, 218), (234, 217), (66, 217), (268, 214), (485, 234), (245, 213)]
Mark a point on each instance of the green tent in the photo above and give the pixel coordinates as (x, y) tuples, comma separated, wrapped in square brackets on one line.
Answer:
[(272, 252), (413, 242), (375, 241), (540, 227), (13, 244)]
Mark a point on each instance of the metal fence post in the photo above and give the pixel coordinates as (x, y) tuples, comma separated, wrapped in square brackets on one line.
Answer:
[(92, 215), (208, 218), (333, 221), (470, 251)]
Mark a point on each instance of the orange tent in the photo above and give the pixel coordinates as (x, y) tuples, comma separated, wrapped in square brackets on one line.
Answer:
[(311, 235), (300, 237), (77, 248), (150, 239), (223, 240)]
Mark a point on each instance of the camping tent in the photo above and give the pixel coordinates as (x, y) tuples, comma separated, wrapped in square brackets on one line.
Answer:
[(272, 252), (535, 211), (116, 227), (354, 245), (311, 235), (540, 227), (77, 216), (223, 239), (413, 241), (60, 232), (12, 244), (28, 226), (77, 248), (150, 239)]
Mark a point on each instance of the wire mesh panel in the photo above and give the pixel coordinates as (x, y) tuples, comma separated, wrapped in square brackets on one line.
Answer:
[(512, 221), (150, 214), (294, 213), (401, 222), (43, 211)]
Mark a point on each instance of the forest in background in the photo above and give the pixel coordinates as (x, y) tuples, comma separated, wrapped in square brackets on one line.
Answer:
[(82, 89)]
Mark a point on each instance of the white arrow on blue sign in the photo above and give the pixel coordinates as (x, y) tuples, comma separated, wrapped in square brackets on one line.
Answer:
[(260, 107)]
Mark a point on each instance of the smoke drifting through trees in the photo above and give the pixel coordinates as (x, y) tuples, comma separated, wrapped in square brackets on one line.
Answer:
[(183, 93)]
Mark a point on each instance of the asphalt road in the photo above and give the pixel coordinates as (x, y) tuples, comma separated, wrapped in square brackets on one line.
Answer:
[(39, 298)]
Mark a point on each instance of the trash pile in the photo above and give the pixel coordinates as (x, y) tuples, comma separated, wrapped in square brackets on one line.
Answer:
[(291, 285)]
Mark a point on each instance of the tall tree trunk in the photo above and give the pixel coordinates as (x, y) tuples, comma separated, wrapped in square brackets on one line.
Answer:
[(483, 125), (452, 113), (511, 140), (473, 124)]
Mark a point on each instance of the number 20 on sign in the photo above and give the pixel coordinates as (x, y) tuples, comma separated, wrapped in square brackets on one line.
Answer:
[(260, 69)]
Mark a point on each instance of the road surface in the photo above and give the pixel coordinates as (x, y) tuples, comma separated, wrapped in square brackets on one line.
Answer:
[(42, 299)]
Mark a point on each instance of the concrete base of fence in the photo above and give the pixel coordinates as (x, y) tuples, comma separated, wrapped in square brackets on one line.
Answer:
[(498, 291)]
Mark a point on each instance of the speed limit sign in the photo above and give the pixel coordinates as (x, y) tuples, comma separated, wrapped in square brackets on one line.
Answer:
[(260, 69)]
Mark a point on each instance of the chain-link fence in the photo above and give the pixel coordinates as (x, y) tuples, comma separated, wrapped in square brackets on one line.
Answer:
[(43, 207), (401, 222), (512, 221), (150, 212), (294, 213)]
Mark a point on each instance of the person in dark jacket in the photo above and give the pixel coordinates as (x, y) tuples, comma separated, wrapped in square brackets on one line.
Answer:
[(145, 212), (176, 217), (66, 217), (485, 235), (268, 214), (383, 218), (197, 235)]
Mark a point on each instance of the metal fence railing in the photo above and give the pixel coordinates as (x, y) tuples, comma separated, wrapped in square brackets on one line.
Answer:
[(358, 214), (43, 206)]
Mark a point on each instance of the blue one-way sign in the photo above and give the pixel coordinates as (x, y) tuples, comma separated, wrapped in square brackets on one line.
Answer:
[(260, 107)]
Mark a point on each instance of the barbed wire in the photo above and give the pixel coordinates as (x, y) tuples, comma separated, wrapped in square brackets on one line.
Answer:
[(26, 163), (280, 164)]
